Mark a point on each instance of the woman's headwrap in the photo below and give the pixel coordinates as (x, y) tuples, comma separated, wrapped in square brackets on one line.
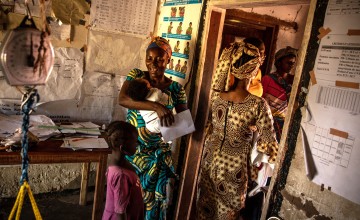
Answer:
[(231, 56), (159, 42)]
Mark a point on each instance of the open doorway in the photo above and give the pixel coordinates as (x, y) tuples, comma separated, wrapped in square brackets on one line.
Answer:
[(240, 24), (224, 23)]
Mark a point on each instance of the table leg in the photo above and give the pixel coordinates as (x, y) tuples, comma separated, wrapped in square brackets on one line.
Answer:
[(99, 188), (84, 183)]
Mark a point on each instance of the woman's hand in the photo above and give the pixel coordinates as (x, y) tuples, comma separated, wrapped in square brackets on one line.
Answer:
[(165, 115)]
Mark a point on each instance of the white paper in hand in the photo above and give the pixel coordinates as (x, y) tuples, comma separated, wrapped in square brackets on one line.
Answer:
[(183, 125)]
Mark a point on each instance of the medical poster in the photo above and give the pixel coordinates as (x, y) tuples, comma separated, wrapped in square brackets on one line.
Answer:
[(179, 24)]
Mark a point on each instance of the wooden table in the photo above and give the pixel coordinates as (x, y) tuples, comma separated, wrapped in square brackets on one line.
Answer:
[(47, 152)]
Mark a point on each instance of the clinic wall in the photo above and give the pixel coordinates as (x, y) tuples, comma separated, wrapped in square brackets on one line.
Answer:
[(304, 199), (58, 177)]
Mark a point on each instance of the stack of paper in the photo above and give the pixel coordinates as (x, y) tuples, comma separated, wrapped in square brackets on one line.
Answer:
[(84, 143), (87, 128)]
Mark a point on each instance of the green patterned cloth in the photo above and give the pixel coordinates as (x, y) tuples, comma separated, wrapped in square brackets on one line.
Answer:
[(152, 160)]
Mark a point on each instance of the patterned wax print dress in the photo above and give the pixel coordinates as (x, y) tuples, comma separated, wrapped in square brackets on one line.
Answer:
[(152, 160), (225, 167)]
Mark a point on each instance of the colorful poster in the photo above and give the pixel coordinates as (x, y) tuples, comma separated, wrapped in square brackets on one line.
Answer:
[(178, 23)]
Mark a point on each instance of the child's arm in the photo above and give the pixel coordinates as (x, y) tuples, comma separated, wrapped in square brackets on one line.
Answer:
[(121, 185)]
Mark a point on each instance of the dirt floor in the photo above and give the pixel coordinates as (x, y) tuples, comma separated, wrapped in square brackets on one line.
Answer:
[(53, 206)]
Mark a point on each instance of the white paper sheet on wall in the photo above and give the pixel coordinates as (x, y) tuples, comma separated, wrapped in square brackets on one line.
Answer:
[(126, 16), (338, 58), (331, 125), (98, 97), (20, 7), (60, 31), (63, 83), (66, 77), (6, 91), (113, 53), (334, 160), (119, 112)]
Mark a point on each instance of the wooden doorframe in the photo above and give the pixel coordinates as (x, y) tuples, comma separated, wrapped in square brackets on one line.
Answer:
[(212, 37)]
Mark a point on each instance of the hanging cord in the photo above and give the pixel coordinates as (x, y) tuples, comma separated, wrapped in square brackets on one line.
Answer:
[(30, 98)]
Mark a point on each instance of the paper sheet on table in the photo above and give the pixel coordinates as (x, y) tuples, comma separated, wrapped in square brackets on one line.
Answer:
[(8, 125), (183, 125), (82, 128), (41, 133), (85, 143)]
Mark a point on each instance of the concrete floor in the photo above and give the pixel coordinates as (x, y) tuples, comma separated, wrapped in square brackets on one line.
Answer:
[(54, 206)]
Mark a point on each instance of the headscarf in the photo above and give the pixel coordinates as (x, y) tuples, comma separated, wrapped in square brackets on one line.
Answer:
[(159, 42), (226, 65), (287, 51)]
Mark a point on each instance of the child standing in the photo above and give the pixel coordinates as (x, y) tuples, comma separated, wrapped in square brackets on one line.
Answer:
[(123, 195)]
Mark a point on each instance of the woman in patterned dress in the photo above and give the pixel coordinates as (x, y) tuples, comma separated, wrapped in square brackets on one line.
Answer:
[(152, 161), (226, 166)]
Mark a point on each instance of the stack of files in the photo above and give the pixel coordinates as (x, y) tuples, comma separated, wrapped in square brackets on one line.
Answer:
[(84, 143)]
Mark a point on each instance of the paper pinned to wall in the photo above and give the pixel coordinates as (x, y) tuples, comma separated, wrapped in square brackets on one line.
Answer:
[(63, 83), (66, 77), (7, 91), (99, 94), (70, 11), (334, 104), (334, 160), (60, 31), (20, 7), (113, 53), (119, 112), (349, 13), (126, 16)]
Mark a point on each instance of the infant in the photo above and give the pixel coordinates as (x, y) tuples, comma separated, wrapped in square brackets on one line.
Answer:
[(141, 90)]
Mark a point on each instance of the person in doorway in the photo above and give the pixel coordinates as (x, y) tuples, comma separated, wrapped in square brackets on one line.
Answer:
[(277, 86), (152, 160), (141, 90), (123, 194), (225, 168)]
